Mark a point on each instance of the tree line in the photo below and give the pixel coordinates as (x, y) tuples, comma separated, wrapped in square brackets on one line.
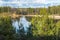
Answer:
[(25, 11)]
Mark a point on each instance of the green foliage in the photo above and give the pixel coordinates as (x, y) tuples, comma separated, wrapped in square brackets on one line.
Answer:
[(43, 26), (5, 9), (58, 28), (50, 10), (43, 11), (6, 30), (54, 10)]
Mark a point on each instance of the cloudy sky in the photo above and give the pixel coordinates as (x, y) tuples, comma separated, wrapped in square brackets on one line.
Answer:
[(29, 3)]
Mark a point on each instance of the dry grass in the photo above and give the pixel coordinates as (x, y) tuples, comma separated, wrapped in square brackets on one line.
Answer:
[(13, 15)]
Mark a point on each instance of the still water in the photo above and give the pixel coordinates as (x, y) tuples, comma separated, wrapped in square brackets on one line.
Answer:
[(21, 23)]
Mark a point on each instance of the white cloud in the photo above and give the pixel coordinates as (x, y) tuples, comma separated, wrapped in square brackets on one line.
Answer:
[(39, 1), (30, 3)]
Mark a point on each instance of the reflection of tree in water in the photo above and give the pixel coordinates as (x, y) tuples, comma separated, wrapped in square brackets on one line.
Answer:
[(22, 25), (23, 28)]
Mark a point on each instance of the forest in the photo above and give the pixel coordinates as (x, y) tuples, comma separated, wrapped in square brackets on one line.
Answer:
[(41, 28), (31, 11)]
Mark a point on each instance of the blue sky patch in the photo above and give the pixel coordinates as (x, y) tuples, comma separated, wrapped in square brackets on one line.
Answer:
[(29, 3)]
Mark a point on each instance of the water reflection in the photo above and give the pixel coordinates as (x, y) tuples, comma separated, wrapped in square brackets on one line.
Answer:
[(15, 24), (22, 21)]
